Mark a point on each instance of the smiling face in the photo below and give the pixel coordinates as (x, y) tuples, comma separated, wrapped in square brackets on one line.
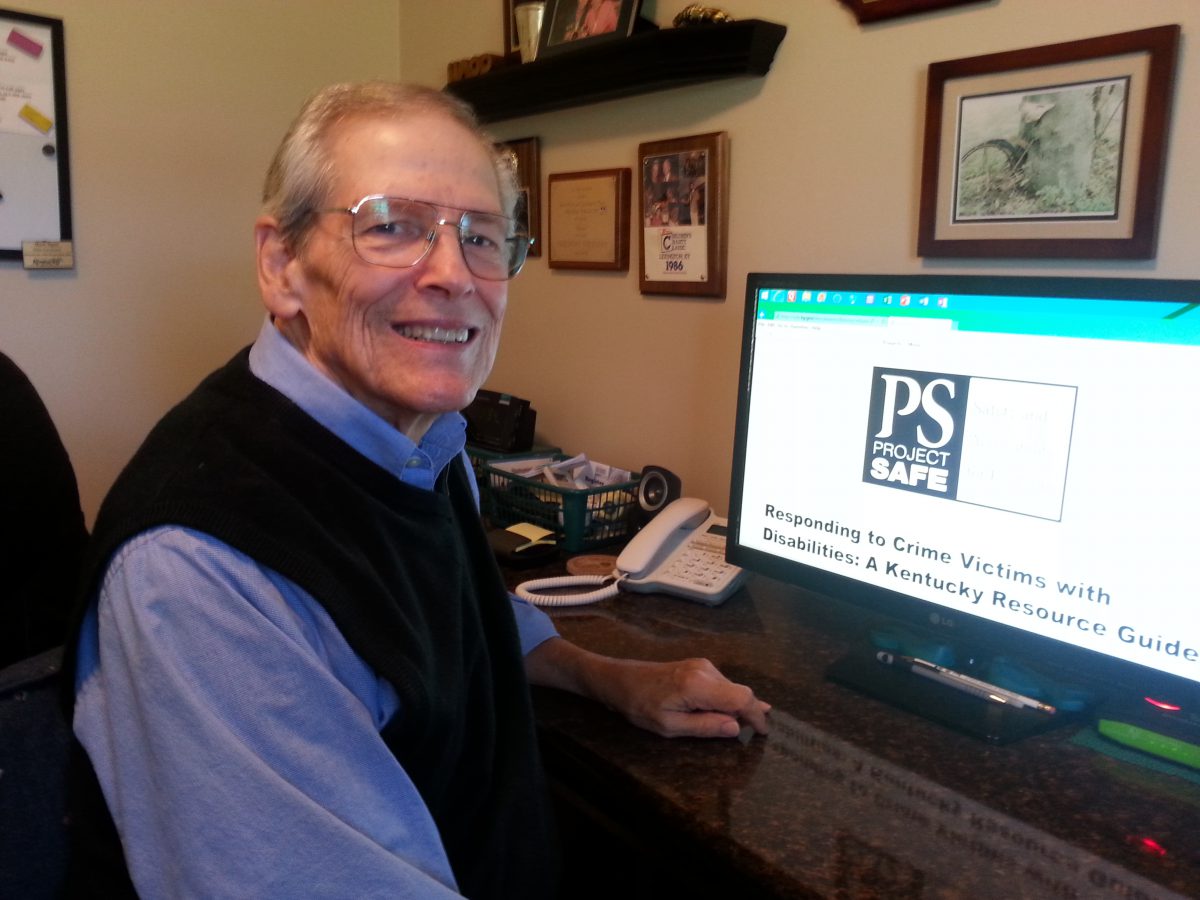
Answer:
[(409, 344)]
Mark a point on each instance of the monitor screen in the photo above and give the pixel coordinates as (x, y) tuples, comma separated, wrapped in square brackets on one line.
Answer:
[(1009, 459)]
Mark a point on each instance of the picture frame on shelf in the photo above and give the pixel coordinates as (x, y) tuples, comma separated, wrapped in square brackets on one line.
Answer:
[(526, 159), (512, 45), (683, 215), (1055, 151), (877, 10), (589, 220), (570, 24)]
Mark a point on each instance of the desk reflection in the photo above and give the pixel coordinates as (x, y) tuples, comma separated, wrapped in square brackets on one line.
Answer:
[(847, 797), (873, 829)]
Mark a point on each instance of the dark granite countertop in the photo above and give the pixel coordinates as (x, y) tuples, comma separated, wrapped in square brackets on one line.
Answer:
[(851, 797)]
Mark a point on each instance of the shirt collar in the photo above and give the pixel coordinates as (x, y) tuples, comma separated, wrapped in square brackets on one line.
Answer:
[(283, 367)]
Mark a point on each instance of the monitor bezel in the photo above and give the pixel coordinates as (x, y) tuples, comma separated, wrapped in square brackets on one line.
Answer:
[(1100, 671)]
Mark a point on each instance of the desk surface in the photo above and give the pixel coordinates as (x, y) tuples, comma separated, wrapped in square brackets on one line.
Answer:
[(848, 796)]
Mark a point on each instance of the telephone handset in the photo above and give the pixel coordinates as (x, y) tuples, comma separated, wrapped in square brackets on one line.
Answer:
[(681, 551)]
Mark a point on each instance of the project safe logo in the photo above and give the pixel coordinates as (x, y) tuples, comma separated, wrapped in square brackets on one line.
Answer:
[(915, 430), (993, 442)]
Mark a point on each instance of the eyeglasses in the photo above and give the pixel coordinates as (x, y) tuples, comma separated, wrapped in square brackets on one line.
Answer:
[(399, 233)]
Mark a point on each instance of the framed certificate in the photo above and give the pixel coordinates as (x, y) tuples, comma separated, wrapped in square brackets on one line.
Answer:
[(589, 220)]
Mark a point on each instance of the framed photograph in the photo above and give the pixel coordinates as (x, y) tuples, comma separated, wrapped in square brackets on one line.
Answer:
[(35, 182), (875, 10), (589, 220), (570, 24), (1054, 151), (683, 218), (526, 155)]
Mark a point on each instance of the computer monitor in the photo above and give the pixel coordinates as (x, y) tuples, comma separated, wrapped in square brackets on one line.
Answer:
[(1005, 468)]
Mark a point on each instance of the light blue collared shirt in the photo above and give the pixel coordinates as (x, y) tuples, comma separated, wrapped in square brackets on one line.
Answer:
[(234, 732)]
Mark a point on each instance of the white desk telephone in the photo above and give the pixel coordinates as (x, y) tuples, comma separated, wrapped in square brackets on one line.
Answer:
[(681, 551)]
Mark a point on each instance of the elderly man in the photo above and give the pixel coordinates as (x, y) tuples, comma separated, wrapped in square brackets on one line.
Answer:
[(299, 673)]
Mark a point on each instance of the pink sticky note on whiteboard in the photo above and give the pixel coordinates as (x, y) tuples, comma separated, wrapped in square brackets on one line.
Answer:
[(24, 43)]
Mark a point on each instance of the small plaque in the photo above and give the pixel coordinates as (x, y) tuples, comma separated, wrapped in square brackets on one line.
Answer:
[(48, 254)]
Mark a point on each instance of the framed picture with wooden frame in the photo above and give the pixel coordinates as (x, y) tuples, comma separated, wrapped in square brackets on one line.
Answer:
[(570, 24), (1055, 151), (683, 215), (512, 45), (526, 159), (876, 10), (589, 220)]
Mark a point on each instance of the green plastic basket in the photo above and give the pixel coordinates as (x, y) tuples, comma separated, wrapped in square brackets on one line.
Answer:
[(581, 519), (480, 457)]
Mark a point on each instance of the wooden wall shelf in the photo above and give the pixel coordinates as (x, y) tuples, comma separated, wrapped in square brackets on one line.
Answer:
[(639, 64)]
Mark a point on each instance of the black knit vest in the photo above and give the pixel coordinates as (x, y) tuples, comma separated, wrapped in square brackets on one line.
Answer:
[(406, 575)]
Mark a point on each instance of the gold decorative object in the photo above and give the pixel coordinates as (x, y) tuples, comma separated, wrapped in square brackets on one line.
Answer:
[(695, 14)]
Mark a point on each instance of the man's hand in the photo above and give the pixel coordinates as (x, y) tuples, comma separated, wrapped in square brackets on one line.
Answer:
[(674, 699)]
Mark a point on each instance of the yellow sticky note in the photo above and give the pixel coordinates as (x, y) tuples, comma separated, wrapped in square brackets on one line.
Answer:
[(529, 531), (35, 118)]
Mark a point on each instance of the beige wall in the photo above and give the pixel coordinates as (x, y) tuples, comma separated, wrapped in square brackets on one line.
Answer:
[(175, 106), (824, 177)]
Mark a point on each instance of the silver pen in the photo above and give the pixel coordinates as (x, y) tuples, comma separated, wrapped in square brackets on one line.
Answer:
[(965, 683)]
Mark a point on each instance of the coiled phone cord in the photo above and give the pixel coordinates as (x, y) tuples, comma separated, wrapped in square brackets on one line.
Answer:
[(528, 590)]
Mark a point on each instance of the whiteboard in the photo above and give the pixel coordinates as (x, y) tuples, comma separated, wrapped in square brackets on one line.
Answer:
[(35, 202)]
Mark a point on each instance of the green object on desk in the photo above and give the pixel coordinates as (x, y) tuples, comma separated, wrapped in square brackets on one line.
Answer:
[(1182, 752)]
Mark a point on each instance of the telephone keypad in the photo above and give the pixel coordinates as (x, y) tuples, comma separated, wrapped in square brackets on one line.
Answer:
[(701, 562)]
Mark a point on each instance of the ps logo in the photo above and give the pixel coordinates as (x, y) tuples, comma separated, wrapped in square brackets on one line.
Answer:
[(917, 398), (915, 430)]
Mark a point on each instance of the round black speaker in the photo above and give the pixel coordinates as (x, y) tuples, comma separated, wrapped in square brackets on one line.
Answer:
[(657, 488)]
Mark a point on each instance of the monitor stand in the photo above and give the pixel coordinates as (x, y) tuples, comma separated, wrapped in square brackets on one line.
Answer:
[(996, 723)]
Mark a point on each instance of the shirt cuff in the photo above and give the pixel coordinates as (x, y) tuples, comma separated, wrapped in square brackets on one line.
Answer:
[(533, 625)]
